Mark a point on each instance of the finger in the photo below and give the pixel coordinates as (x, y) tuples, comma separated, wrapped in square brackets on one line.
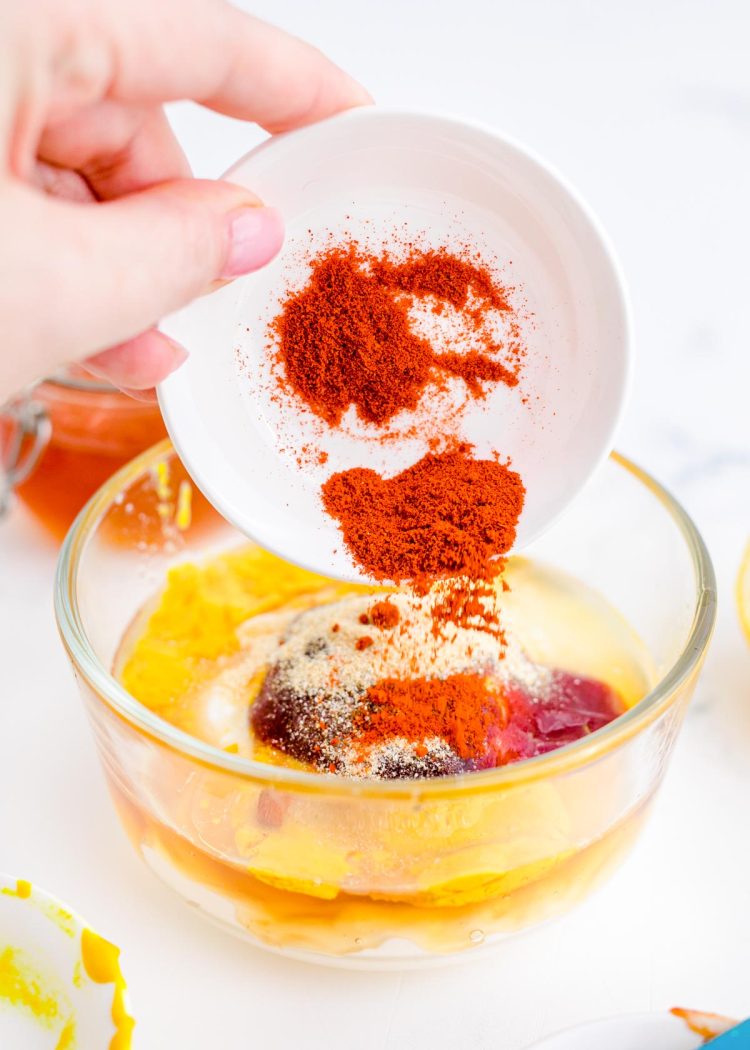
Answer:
[(61, 182), (118, 149), (225, 59), (83, 277), (138, 364), (147, 396)]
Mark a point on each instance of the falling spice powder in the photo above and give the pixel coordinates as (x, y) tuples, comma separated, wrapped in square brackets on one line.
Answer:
[(448, 515), (441, 526)]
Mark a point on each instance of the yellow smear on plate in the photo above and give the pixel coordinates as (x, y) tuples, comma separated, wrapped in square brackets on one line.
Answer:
[(67, 1040), (101, 961), (124, 1023), (22, 890), (61, 917), (25, 987)]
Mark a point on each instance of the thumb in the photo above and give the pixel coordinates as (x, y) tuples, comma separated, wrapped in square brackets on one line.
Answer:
[(87, 276)]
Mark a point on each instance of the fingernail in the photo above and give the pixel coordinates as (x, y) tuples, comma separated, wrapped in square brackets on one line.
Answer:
[(148, 397), (255, 237), (179, 354), (140, 363)]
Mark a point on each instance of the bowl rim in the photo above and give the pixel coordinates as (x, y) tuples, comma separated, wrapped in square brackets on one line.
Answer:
[(570, 756)]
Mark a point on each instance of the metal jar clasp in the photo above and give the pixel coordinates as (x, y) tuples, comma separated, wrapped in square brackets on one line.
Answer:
[(25, 431)]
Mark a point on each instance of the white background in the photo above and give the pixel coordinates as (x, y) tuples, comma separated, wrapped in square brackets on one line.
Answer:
[(646, 107)]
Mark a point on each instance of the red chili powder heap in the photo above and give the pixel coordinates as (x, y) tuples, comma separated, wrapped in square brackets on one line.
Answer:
[(346, 338), (447, 515), (459, 709)]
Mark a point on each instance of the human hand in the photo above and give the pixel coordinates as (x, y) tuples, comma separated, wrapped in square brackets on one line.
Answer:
[(103, 231)]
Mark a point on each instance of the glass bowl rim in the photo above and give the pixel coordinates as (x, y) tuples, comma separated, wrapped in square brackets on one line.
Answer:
[(568, 757), (83, 384)]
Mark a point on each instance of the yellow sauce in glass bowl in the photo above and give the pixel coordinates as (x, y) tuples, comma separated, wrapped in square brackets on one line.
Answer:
[(338, 873)]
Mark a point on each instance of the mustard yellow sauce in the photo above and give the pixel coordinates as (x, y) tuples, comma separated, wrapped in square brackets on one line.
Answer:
[(27, 984), (195, 622), (101, 962)]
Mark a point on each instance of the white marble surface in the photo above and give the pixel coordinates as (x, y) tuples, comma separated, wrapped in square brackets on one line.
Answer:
[(646, 107)]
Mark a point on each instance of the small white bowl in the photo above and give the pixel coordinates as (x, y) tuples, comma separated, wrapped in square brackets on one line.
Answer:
[(60, 983), (444, 181)]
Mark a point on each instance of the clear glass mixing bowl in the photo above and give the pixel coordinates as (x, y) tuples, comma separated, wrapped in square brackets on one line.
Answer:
[(391, 873)]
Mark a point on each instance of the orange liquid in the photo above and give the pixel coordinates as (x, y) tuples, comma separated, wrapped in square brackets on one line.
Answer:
[(94, 433), (349, 924)]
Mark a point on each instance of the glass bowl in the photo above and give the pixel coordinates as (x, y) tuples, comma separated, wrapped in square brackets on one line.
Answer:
[(396, 873)]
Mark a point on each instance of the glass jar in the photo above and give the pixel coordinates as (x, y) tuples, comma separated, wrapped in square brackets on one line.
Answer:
[(62, 439)]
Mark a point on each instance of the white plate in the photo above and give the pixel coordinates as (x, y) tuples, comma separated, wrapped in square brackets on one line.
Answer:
[(652, 1031), (60, 983), (444, 181)]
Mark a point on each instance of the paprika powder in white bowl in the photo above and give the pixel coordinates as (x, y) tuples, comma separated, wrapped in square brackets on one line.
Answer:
[(439, 287)]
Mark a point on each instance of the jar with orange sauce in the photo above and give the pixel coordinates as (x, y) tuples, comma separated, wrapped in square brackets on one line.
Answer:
[(61, 439)]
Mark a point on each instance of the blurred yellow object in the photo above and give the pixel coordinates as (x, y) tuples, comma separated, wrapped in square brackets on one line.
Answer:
[(743, 592)]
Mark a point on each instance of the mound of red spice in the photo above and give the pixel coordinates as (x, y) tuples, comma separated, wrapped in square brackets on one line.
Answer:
[(447, 515), (423, 726), (482, 727), (459, 709), (346, 337)]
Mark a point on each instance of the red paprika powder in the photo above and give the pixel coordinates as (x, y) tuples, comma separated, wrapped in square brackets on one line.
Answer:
[(448, 515), (346, 338), (384, 615), (460, 710)]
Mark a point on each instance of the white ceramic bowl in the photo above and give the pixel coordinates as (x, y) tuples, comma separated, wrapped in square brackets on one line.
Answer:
[(364, 173), (60, 983)]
